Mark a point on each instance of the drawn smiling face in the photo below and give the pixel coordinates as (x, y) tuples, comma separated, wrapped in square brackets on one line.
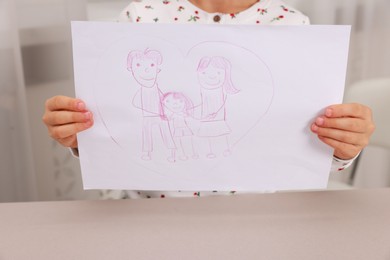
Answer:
[(211, 77), (176, 105), (145, 72)]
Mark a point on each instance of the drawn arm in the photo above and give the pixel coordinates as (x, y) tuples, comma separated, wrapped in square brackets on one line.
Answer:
[(214, 114), (137, 101), (195, 112)]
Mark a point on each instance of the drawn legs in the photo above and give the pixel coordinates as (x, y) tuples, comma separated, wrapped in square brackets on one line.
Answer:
[(147, 137), (166, 135), (227, 152), (217, 133), (181, 146), (212, 141), (211, 154), (186, 146), (195, 154)]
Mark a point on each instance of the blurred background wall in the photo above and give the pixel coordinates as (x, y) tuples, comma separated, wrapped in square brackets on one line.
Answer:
[(35, 64)]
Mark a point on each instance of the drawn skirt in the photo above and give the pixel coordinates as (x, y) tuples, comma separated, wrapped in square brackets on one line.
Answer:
[(213, 129)]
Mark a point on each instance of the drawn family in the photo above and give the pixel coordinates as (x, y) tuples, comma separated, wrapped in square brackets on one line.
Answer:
[(170, 112)]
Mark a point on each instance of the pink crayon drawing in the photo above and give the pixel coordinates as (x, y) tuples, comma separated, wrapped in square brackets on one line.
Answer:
[(214, 76), (145, 66), (177, 109)]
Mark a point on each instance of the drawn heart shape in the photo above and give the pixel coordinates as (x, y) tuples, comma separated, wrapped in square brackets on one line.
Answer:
[(121, 122)]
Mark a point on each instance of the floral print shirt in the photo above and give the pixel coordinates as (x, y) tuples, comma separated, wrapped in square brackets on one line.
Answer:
[(263, 12)]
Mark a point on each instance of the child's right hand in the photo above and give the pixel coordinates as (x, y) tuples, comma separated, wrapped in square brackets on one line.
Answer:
[(65, 117)]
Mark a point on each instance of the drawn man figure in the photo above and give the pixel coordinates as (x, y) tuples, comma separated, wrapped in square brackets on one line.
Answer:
[(144, 66)]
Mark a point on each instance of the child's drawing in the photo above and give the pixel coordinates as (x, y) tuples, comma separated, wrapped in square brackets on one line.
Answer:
[(177, 109), (193, 108), (145, 66), (214, 75), (170, 111), (197, 113)]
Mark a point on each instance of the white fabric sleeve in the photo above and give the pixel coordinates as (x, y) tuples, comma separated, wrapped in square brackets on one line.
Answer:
[(340, 165)]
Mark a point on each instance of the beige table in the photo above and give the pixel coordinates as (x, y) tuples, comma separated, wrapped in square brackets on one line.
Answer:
[(309, 225)]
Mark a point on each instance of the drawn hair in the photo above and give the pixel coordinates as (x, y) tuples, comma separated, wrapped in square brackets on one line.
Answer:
[(220, 63), (189, 106), (146, 54)]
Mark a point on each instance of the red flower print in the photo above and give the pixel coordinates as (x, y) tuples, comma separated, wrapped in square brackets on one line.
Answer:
[(262, 11), (176, 19), (181, 8), (162, 196), (166, 2), (286, 9), (280, 17), (138, 19), (232, 16)]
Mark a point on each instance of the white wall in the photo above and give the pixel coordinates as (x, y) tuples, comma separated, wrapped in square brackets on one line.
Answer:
[(17, 178)]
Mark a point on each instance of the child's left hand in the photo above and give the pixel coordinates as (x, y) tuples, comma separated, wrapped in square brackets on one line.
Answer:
[(345, 127)]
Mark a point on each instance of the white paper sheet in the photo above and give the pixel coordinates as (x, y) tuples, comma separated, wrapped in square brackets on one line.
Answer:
[(204, 107)]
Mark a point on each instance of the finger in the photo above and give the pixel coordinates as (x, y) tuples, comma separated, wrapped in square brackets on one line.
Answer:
[(356, 139), (65, 131), (65, 103), (343, 151), (66, 117), (348, 110), (70, 141), (356, 125)]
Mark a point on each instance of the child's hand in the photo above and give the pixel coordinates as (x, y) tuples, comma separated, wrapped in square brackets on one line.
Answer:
[(345, 127), (65, 117)]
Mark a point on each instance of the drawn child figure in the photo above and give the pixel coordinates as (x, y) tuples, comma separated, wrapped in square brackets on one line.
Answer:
[(214, 75), (144, 66), (177, 109)]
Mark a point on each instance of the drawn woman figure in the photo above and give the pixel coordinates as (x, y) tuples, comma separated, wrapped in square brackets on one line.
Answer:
[(214, 75), (177, 109)]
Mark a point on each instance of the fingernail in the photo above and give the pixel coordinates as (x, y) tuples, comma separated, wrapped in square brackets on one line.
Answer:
[(328, 112), (80, 106), (314, 127), (87, 115), (319, 121)]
